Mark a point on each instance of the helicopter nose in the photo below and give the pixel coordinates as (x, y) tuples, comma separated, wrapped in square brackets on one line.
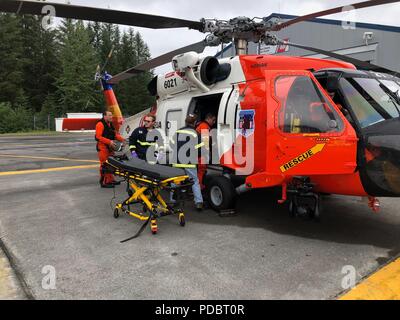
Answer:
[(381, 172)]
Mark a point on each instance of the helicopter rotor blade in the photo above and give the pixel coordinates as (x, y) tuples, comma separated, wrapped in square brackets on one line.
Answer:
[(100, 69), (358, 63), (97, 14), (358, 5), (156, 62), (110, 54)]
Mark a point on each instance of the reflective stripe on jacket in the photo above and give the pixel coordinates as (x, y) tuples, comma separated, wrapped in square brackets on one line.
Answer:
[(140, 141), (186, 146)]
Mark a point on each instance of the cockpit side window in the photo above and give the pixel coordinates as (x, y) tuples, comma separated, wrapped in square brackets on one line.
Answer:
[(304, 108), (371, 100)]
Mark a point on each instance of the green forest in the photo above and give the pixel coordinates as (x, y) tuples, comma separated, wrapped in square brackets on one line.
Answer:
[(48, 72)]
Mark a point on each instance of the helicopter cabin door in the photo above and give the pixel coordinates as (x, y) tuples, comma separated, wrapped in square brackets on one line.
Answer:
[(173, 121), (307, 134)]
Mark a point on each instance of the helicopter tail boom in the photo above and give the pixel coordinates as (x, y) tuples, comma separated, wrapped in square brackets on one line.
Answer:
[(111, 103)]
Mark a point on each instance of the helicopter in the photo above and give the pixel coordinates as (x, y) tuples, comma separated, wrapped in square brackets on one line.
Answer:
[(308, 126)]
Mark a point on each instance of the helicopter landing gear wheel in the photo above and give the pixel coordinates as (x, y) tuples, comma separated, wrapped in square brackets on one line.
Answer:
[(220, 193), (307, 207), (313, 210), (292, 209), (317, 210), (116, 213)]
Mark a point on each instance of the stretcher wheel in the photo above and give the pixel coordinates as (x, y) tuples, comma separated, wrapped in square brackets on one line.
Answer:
[(154, 227), (182, 221), (116, 213)]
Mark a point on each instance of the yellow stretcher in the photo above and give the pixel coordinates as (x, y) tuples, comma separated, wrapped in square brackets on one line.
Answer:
[(145, 185)]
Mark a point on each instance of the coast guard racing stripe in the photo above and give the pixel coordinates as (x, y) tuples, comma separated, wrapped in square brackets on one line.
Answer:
[(303, 157)]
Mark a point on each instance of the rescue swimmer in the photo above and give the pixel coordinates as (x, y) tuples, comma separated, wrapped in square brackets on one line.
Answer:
[(204, 129), (106, 137)]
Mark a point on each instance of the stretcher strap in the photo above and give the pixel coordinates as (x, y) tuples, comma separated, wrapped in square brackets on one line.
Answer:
[(140, 230)]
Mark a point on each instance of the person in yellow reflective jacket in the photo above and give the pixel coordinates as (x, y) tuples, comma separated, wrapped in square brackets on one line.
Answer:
[(186, 146), (145, 139)]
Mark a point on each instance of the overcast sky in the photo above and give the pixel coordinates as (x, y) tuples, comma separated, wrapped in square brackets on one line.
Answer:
[(162, 41)]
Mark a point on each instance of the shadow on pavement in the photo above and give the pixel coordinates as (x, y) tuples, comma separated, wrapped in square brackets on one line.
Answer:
[(344, 220)]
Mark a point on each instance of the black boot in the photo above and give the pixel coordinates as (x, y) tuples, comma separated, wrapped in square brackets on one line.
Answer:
[(108, 186)]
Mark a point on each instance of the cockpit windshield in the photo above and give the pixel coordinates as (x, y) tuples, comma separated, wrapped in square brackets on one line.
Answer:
[(393, 85), (372, 100)]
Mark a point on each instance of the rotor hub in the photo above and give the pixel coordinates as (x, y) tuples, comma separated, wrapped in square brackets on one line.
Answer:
[(240, 29)]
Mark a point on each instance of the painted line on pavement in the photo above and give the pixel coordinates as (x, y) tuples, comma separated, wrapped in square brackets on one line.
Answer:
[(381, 285), (11, 146), (13, 173), (46, 158)]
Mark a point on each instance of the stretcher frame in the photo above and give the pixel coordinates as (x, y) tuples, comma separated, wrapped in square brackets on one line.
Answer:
[(147, 191)]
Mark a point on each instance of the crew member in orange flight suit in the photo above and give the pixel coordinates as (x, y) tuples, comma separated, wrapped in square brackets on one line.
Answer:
[(105, 137), (203, 128)]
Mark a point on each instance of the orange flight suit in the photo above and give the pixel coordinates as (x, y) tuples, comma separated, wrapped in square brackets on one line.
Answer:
[(204, 130), (104, 151)]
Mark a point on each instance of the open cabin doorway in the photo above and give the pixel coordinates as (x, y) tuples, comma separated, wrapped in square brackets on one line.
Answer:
[(201, 107)]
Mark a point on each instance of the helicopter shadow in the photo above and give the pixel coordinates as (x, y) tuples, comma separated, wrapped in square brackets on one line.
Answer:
[(344, 220)]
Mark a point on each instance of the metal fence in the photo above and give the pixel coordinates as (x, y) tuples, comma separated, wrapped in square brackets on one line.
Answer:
[(43, 122)]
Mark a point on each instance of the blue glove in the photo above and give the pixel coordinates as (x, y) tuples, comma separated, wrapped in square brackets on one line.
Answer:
[(161, 158), (134, 154)]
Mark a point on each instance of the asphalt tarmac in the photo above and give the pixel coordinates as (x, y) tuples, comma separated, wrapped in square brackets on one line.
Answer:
[(58, 227)]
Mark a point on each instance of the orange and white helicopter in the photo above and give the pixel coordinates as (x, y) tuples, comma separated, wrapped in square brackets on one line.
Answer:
[(315, 126)]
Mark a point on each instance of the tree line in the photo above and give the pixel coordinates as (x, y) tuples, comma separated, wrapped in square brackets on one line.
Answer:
[(50, 71)]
